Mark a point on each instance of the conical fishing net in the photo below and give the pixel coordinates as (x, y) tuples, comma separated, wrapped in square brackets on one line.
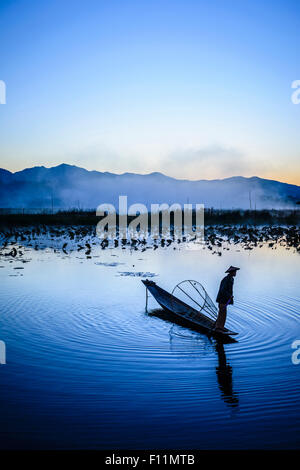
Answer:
[(191, 298)]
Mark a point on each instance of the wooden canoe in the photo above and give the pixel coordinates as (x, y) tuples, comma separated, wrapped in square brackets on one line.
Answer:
[(175, 306)]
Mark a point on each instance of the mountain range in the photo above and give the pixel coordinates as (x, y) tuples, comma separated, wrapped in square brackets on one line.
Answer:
[(68, 186)]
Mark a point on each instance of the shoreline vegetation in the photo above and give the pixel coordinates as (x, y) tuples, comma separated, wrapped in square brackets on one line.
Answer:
[(76, 231), (237, 217)]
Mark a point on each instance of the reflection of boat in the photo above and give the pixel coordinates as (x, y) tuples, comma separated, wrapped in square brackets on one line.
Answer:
[(177, 307), (197, 346)]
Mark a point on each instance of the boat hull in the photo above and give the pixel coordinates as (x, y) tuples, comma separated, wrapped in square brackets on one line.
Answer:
[(178, 308)]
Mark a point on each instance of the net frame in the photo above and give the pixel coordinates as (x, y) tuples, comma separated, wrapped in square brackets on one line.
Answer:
[(206, 306)]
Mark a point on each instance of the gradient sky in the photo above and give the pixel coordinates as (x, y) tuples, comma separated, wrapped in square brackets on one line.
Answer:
[(191, 88)]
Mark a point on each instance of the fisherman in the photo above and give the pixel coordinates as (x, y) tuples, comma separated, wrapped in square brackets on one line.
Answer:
[(225, 297)]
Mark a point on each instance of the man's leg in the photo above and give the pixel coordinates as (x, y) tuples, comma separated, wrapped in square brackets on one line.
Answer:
[(221, 316)]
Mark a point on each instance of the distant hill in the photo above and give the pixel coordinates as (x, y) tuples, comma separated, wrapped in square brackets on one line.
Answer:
[(68, 186)]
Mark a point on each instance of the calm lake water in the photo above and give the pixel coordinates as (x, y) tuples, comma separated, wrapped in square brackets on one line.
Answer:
[(88, 368)]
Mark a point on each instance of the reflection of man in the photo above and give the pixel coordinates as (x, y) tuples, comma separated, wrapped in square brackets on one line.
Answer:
[(224, 374), (225, 297)]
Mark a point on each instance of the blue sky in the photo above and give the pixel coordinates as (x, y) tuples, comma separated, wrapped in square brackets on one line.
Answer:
[(191, 88)]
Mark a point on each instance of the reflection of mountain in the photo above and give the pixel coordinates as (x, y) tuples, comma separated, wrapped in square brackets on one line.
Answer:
[(224, 375), (68, 186)]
